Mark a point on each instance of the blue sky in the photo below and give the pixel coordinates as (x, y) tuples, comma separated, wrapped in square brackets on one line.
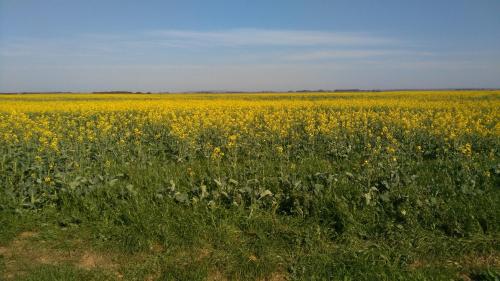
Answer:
[(67, 45)]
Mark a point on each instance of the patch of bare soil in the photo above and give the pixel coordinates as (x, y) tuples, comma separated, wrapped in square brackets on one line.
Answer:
[(153, 277), (216, 276), (90, 260), (26, 251), (473, 261)]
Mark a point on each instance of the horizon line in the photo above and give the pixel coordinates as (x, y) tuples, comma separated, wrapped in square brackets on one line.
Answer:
[(250, 92)]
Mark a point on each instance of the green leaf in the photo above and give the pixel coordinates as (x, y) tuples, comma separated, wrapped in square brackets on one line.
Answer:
[(219, 183), (74, 184), (181, 197), (203, 191), (385, 197), (368, 198), (265, 193)]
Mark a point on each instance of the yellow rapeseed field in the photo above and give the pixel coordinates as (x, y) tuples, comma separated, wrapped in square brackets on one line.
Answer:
[(48, 121)]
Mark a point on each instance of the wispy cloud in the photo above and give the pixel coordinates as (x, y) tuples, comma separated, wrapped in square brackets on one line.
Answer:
[(264, 37), (179, 40), (354, 54)]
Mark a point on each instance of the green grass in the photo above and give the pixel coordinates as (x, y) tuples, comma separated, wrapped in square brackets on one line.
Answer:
[(335, 235)]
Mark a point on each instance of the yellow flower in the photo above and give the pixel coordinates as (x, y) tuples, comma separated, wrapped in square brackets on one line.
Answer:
[(279, 149), (217, 153), (137, 132), (232, 141), (466, 149)]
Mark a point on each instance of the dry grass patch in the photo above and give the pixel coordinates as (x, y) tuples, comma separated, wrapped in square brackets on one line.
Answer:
[(26, 251)]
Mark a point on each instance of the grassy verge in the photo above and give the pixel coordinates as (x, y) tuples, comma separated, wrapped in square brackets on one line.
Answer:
[(135, 229)]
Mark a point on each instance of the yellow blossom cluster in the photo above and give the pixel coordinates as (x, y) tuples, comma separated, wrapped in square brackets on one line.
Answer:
[(55, 122)]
